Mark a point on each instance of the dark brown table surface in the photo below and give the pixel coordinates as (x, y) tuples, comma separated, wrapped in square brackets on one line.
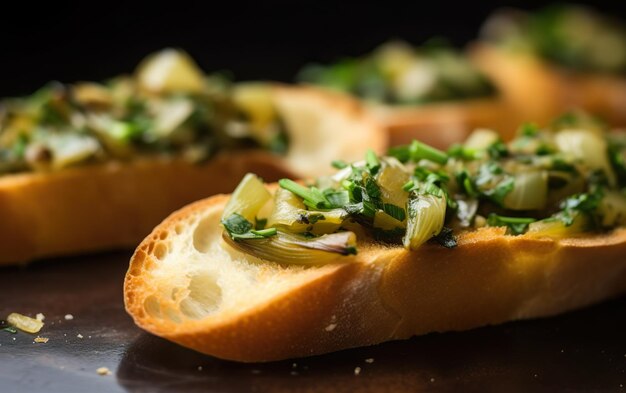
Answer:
[(580, 351)]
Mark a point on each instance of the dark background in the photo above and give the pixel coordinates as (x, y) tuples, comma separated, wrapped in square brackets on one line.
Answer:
[(256, 40)]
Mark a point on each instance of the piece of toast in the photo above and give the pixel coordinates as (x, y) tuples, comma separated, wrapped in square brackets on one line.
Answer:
[(186, 284), (115, 205), (541, 91)]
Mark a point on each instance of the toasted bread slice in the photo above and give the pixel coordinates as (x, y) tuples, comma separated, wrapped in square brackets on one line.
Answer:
[(541, 91), (443, 124), (186, 284), (114, 205)]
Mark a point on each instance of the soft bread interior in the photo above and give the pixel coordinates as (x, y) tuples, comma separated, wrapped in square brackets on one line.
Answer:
[(190, 274), (186, 284), (325, 126)]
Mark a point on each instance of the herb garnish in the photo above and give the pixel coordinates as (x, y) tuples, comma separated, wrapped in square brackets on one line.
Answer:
[(239, 228), (516, 225)]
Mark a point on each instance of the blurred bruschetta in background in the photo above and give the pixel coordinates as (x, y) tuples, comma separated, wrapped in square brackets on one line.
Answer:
[(94, 166), (432, 93), (556, 59)]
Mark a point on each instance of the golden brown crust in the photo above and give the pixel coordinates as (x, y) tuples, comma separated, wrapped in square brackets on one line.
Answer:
[(541, 91), (443, 124), (115, 205), (384, 293), (110, 206)]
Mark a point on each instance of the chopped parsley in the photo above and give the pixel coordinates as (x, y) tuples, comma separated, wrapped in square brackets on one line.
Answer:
[(239, 228)]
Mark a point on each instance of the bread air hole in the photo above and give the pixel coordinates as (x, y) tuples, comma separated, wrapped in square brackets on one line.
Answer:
[(160, 251), (204, 296), (152, 307), (205, 234)]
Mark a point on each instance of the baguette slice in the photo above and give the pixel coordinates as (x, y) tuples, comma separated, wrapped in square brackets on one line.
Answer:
[(187, 285), (541, 91), (443, 124), (115, 205)]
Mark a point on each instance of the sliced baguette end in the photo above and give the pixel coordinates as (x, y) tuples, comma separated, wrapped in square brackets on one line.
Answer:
[(267, 311)]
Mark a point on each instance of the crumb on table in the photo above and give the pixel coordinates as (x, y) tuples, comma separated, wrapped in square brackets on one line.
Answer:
[(103, 371)]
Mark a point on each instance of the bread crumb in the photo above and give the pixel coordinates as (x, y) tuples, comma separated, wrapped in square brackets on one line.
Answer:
[(330, 327), (40, 317), (41, 339), (68, 317), (79, 335), (103, 371), (369, 360), (357, 370)]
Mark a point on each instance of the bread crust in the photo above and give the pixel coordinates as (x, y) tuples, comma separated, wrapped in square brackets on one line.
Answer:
[(443, 124), (110, 206), (384, 293), (114, 205), (541, 91)]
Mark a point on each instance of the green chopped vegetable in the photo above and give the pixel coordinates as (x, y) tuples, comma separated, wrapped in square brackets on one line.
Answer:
[(167, 108), (422, 195), (419, 151), (516, 225)]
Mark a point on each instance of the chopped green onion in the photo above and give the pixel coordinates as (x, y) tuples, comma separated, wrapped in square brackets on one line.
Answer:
[(312, 197), (265, 232), (528, 129), (516, 225), (339, 164), (338, 198), (401, 153), (373, 164), (394, 211), (10, 329), (419, 151)]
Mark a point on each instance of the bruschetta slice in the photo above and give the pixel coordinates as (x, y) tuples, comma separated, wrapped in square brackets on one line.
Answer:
[(416, 241), (95, 166)]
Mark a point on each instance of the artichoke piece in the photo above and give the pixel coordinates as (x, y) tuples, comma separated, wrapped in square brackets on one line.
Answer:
[(170, 71), (255, 101), (290, 213), (71, 149), (391, 178), (530, 191), (555, 228), (588, 147), (426, 218), (24, 323), (248, 198), (612, 209), (294, 249)]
